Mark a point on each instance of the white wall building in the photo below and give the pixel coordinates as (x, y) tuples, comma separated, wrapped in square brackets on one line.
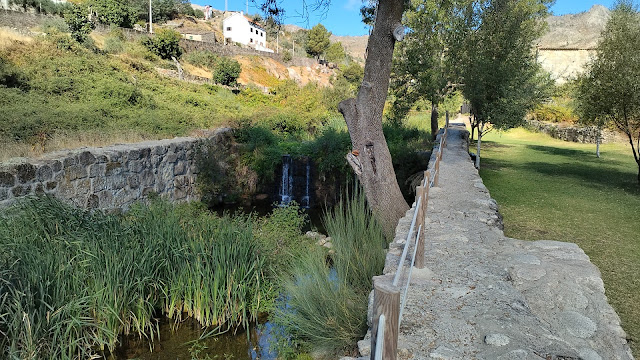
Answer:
[(237, 28)]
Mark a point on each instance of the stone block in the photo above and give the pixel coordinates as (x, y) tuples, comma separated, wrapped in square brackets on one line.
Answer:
[(171, 158), (135, 166), (7, 179), (147, 178), (145, 153), (21, 190), (105, 199), (39, 189), (25, 173), (68, 161), (113, 168), (76, 172), (134, 154), (51, 185), (93, 202), (86, 158), (4, 194), (83, 186), (180, 168), (98, 184), (44, 173), (101, 159), (148, 190), (155, 160), (159, 150), (116, 182), (55, 165), (96, 170), (133, 181)]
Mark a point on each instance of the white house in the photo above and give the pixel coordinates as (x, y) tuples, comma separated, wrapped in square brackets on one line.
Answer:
[(238, 28)]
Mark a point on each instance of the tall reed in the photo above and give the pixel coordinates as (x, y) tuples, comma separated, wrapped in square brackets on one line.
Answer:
[(72, 281), (324, 308)]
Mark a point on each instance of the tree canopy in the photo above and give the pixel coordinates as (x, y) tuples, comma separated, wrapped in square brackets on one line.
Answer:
[(502, 80), (317, 40), (610, 90)]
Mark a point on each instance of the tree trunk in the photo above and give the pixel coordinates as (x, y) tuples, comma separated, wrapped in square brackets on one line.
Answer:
[(638, 172), (480, 129), (598, 143), (371, 159), (434, 121)]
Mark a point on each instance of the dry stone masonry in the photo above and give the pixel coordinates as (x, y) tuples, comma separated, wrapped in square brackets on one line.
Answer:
[(111, 178), (486, 296)]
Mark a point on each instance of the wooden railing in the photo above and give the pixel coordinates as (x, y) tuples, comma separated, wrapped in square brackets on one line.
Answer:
[(388, 305)]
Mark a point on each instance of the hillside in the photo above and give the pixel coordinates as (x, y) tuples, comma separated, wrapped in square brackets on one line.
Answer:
[(575, 31)]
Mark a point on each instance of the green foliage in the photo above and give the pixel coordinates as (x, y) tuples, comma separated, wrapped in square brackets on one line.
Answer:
[(77, 18), (73, 280), (286, 56), (353, 73), (203, 58), (555, 113), (11, 76), (113, 45), (227, 71), (608, 93), (165, 43), (335, 53), (116, 12), (42, 6), (317, 40), (502, 78), (53, 25), (198, 13), (326, 308)]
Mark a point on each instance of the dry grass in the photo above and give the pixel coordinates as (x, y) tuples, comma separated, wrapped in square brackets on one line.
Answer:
[(9, 36), (62, 141), (197, 71)]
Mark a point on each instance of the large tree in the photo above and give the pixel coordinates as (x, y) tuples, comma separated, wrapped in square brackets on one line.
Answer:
[(317, 40), (610, 92), (370, 158), (421, 66), (502, 80)]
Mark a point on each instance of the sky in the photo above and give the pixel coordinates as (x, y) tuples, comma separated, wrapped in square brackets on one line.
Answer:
[(343, 17)]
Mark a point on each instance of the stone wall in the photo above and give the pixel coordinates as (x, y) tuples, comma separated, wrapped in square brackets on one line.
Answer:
[(114, 177), (588, 134)]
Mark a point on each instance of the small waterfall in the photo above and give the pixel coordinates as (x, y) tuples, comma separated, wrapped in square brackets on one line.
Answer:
[(305, 203), (286, 181)]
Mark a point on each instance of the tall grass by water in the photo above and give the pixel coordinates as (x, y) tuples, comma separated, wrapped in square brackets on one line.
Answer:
[(555, 190), (324, 306), (72, 281)]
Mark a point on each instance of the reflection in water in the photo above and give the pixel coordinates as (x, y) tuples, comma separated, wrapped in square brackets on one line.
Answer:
[(178, 344)]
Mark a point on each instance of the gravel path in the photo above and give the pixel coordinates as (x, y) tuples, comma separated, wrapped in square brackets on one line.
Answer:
[(486, 296)]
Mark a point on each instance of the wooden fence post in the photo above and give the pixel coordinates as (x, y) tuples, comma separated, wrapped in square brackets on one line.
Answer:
[(386, 300)]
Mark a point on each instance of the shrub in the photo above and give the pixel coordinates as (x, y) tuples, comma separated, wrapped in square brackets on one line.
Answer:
[(555, 113), (77, 18), (50, 25), (203, 58), (286, 56), (198, 13), (165, 43), (227, 72), (325, 309), (113, 45)]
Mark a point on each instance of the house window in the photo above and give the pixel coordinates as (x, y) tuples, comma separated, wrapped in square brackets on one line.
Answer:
[(251, 40), (261, 34), (256, 32), (228, 28), (251, 30)]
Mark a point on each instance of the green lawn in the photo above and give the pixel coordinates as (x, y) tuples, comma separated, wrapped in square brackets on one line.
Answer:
[(555, 190)]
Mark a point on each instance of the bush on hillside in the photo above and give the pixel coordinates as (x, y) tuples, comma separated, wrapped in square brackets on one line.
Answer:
[(77, 18), (166, 43), (227, 72)]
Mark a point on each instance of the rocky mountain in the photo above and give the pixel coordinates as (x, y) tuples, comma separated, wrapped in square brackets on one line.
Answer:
[(355, 46), (575, 31)]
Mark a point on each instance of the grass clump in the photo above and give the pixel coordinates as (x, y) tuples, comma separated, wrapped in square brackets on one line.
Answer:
[(324, 307), (554, 190), (73, 281)]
